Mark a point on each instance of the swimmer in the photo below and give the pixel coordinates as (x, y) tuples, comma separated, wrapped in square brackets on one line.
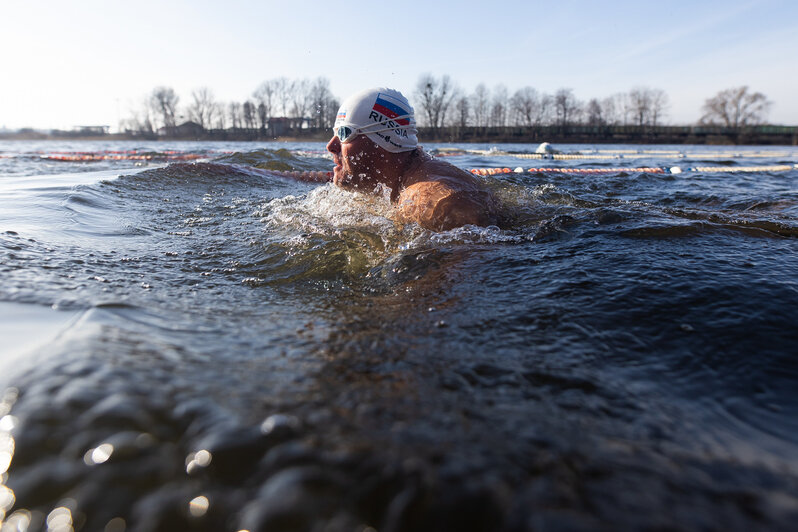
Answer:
[(375, 142)]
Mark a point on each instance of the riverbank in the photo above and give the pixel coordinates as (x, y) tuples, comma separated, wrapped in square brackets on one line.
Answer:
[(767, 135)]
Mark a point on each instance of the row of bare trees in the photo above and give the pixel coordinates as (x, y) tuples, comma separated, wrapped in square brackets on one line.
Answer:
[(302, 103), (441, 103)]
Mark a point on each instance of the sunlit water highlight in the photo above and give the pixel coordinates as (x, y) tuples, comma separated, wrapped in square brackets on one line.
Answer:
[(210, 346)]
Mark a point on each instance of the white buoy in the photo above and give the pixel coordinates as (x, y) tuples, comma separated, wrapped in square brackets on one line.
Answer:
[(545, 147), (675, 170), (519, 170)]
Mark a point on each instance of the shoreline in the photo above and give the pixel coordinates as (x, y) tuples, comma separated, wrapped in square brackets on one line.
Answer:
[(672, 135)]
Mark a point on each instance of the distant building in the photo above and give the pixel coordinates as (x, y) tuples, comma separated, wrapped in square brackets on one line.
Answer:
[(80, 131), (186, 129), (279, 126), (91, 131)]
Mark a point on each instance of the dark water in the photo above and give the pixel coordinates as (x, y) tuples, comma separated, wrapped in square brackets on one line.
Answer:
[(238, 351)]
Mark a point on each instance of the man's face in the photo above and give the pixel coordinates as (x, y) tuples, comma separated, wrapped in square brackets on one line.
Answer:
[(357, 163)]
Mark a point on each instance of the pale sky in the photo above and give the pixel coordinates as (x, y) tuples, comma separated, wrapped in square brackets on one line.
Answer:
[(88, 62)]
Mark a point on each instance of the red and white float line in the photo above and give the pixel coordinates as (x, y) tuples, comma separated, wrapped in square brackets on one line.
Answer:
[(638, 170)]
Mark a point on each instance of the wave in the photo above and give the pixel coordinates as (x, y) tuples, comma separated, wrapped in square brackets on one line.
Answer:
[(281, 160)]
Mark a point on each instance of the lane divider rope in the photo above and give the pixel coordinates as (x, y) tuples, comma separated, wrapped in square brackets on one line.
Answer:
[(646, 170), (90, 157), (620, 154)]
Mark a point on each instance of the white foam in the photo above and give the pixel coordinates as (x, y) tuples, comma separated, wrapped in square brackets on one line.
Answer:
[(328, 209), (332, 212)]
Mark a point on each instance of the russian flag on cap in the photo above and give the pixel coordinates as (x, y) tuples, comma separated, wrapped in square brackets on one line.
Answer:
[(389, 107)]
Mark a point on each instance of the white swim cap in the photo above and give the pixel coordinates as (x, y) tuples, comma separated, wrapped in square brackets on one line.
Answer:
[(383, 115)]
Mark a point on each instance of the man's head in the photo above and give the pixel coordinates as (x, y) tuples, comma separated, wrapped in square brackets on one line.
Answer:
[(372, 127), (383, 115)]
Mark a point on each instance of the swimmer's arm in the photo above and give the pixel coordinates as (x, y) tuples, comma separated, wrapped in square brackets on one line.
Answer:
[(296, 175), (461, 209), (435, 206)]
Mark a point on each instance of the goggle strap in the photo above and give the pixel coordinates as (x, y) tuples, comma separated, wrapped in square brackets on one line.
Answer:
[(365, 129)]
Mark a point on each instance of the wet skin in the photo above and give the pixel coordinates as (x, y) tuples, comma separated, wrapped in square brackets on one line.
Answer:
[(432, 193)]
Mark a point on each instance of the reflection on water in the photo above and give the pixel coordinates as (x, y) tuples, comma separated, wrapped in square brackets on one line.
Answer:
[(248, 352)]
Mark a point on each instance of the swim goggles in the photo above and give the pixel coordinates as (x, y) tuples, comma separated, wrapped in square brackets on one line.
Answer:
[(346, 133)]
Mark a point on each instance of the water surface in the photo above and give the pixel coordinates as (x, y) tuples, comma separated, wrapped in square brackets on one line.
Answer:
[(208, 345)]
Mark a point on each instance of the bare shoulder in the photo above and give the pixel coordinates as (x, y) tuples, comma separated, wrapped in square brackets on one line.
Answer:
[(445, 197)]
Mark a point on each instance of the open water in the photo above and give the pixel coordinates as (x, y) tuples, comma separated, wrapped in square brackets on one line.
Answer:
[(206, 345)]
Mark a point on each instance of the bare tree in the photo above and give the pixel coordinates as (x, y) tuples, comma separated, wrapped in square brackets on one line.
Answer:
[(435, 96), (248, 111), (265, 95), (617, 109), (282, 92), (450, 118), (296, 99), (525, 105), (659, 105), (626, 108), (499, 106), (263, 117), (218, 116), (612, 109), (567, 107), (234, 111), (164, 103), (140, 120), (640, 103), (462, 110), (547, 109), (330, 111), (301, 101), (479, 105), (736, 108), (323, 104), (647, 105), (595, 113), (201, 106)]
